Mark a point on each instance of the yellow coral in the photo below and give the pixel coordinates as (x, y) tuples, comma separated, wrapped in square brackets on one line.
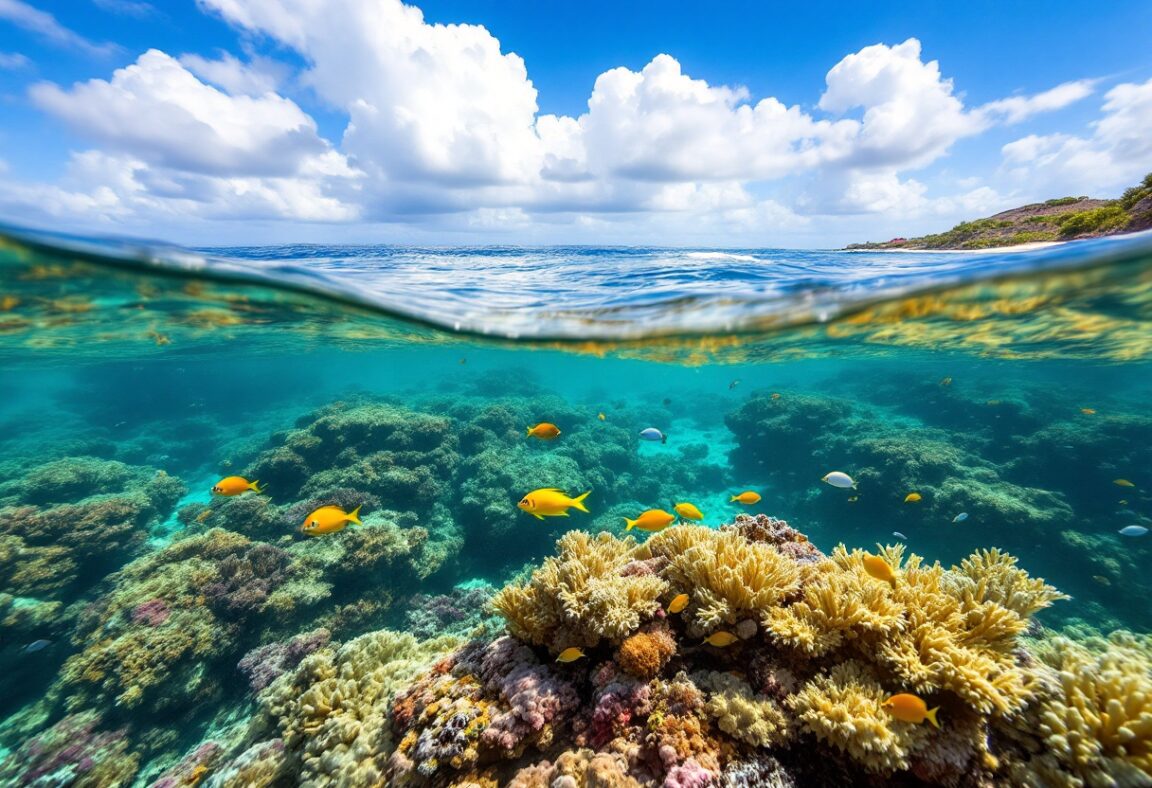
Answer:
[(729, 577), (644, 654), (844, 709), (1097, 720), (580, 596), (743, 715), (937, 629), (836, 607), (333, 708)]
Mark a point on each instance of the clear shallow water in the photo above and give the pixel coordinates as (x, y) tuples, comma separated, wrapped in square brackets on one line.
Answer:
[(1013, 388)]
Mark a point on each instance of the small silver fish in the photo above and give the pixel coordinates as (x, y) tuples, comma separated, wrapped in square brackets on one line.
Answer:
[(960, 517), (1133, 530), (653, 434), (36, 645), (899, 535)]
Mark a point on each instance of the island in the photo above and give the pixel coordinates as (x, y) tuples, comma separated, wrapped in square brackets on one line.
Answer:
[(1061, 219)]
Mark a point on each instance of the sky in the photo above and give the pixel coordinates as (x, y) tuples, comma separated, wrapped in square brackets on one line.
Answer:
[(453, 122)]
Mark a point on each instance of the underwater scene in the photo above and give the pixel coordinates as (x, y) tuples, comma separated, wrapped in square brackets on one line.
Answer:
[(359, 516)]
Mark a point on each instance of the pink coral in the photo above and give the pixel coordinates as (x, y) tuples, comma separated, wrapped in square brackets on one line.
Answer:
[(152, 613), (689, 774)]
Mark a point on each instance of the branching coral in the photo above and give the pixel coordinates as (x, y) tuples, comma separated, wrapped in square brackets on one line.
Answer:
[(844, 709), (728, 577), (1095, 712), (581, 596), (75, 751)]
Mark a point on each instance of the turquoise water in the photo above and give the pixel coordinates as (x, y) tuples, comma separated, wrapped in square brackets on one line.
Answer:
[(1014, 389)]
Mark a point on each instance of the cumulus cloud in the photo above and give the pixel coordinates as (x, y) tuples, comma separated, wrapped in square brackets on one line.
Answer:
[(425, 102), (158, 110), (442, 128), (45, 25), (1117, 153)]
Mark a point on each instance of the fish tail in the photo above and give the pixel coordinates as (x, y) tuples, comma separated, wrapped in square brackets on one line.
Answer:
[(578, 502), (853, 485), (631, 524), (529, 435), (733, 498), (892, 582), (931, 716), (255, 486), (663, 438), (354, 516)]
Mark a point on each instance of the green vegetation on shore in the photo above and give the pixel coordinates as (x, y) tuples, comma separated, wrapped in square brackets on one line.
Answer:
[(1060, 219)]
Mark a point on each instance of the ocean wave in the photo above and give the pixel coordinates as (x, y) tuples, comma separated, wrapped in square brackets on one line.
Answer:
[(626, 293)]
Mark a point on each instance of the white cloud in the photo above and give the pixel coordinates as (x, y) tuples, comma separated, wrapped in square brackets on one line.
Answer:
[(910, 115), (13, 61), (159, 111), (45, 25), (1018, 108), (259, 76), (442, 130), (437, 103), (1116, 154)]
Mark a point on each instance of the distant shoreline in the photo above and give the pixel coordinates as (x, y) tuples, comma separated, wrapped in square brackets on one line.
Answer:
[(1035, 226), (1027, 247)]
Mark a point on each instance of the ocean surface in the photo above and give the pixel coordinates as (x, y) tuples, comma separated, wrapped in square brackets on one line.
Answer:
[(1009, 392)]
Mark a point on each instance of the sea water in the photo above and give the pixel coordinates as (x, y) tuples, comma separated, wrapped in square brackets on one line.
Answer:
[(1013, 388)]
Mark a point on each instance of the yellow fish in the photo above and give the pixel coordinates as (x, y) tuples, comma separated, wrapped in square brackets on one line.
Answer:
[(571, 654), (747, 497), (204, 515), (651, 520), (329, 520), (551, 502), (910, 708), (688, 511), (601, 416), (721, 639), (1123, 483), (879, 569), (234, 485), (912, 497), (545, 431), (678, 603), (1088, 411)]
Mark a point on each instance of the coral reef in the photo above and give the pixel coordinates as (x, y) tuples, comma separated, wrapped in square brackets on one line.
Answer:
[(1092, 724), (75, 751), (582, 596), (821, 645), (265, 664), (464, 611)]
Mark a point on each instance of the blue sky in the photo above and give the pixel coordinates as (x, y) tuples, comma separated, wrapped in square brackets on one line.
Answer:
[(744, 124)]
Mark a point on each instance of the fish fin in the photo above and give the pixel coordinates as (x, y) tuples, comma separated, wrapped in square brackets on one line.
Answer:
[(564, 514), (853, 485), (892, 582), (734, 498), (631, 524), (931, 716), (529, 435), (537, 516), (663, 438), (255, 486), (354, 516), (578, 502)]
